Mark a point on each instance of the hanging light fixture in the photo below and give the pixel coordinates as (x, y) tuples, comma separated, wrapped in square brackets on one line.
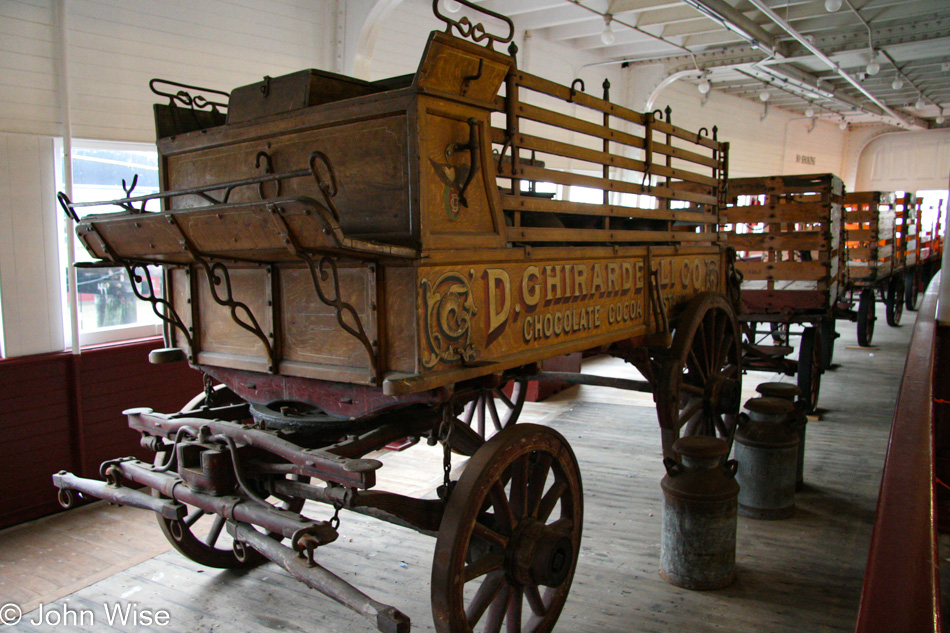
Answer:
[(764, 95), (843, 125), (832, 5), (452, 6), (809, 112), (940, 118), (898, 83), (704, 86), (608, 36), (920, 103), (873, 67)]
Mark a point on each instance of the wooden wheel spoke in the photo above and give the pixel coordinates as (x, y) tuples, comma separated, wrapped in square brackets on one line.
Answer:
[(519, 486), (697, 364), (500, 394), (485, 533), (488, 563), (687, 413), (468, 412), (496, 614), (536, 481), (481, 415), (696, 390), (515, 601), (535, 601), (503, 510), (722, 427), (485, 595), (496, 421), (215, 531), (550, 499), (721, 323)]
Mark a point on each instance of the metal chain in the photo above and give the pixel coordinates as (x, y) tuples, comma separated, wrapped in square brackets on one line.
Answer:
[(335, 521), (445, 436)]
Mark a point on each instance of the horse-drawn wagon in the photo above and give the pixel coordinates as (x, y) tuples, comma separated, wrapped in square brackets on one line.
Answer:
[(880, 238), (354, 264), (788, 235)]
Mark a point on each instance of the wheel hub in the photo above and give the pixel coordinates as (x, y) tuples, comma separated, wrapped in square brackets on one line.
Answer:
[(539, 554), (722, 395)]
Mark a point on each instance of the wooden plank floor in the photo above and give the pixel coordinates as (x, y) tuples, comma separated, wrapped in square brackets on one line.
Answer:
[(800, 574)]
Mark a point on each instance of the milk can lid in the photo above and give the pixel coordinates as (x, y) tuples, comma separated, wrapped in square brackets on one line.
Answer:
[(700, 446), (785, 390), (770, 406)]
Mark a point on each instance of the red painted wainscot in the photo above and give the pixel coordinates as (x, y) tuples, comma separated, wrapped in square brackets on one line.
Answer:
[(901, 583), (60, 411)]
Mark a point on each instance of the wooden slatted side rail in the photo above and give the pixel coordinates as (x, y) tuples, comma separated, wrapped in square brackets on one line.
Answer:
[(788, 235), (679, 176), (910, 221), (871, 239), (901, 589)]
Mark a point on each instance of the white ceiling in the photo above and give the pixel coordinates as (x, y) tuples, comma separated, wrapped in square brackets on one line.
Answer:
[(745, 47)]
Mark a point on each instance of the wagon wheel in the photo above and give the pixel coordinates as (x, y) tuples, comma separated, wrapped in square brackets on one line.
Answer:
[(866, 317), (911, 291), (828, 336), (210, 549), (510, 536), (810, 366), (895, 300), (700, 385), (495, 406)]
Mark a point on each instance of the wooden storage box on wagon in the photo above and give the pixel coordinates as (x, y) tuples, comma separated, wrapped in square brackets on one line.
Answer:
[(877, 243), (788, 235), (355, 263)]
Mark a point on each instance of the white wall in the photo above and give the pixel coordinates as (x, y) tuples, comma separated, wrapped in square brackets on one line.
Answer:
[(29, 102), (905, 161), (116, 46), (30, 282)]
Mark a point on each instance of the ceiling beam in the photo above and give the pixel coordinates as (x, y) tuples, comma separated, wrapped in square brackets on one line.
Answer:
[(725, 13)]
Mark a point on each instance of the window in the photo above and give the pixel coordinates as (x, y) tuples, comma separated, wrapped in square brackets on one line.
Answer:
[(108, 309)]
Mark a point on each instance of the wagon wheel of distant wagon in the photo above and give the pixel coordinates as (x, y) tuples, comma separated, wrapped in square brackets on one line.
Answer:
[(895, 300), (510, 535), (866, 317), (911, 291), (492, 409), (699, 389), (201, 536), (828, 336), (810, 366)]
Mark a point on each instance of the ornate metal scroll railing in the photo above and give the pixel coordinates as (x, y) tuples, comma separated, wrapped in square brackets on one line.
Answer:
[(475, 30), (320, 255)]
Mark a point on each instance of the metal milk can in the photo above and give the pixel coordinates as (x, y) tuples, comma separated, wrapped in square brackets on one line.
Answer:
[(698, 546), (767, 452), (791, 392)]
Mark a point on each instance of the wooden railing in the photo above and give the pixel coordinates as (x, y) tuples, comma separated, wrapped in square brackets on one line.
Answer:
[(901, 582), (682, 174)]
